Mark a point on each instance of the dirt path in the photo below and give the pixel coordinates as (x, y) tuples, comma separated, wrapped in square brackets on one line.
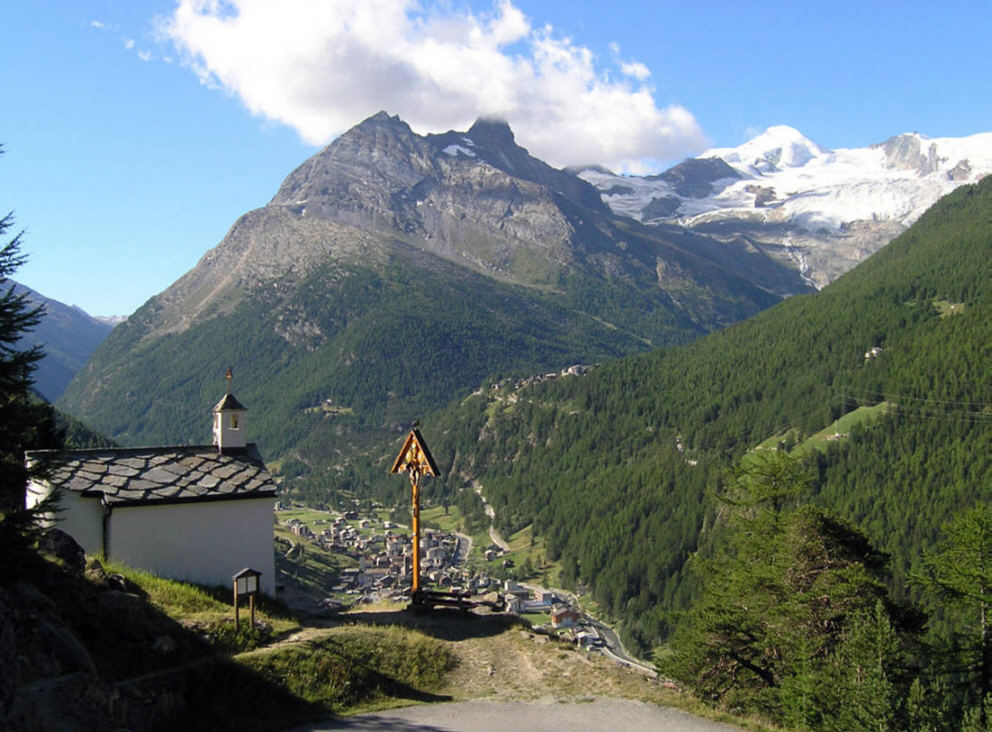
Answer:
[(304, 635), (507, 676)]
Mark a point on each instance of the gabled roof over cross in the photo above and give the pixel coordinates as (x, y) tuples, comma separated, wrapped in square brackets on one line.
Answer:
[(415, 455)]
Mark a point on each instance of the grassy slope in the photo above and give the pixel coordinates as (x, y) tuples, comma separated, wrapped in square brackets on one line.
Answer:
[(385, 657)]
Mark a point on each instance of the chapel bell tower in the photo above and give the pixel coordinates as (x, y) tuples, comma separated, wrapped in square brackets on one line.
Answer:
[(229, 421)]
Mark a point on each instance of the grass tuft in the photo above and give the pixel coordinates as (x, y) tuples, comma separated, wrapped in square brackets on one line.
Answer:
[(355, 668)]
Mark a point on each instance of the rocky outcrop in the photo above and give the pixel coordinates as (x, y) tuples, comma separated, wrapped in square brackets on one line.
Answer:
[(660, 208), (906, 151), (64, 547), (695, 177), (961, 171)]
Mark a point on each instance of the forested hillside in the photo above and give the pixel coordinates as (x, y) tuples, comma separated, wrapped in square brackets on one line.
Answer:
[(377, 345), (618, 469)]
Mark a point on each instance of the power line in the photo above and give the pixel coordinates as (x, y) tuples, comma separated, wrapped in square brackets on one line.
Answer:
[(974, 412)]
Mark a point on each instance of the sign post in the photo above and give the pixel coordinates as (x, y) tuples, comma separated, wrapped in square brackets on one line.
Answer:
[(245, 583)]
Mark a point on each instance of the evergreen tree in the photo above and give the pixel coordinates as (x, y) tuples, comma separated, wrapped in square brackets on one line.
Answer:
[(26, 422), (959, 572), (794, 622), (865, 673)]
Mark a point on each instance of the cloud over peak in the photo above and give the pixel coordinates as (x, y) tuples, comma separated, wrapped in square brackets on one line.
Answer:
[(321, 67)]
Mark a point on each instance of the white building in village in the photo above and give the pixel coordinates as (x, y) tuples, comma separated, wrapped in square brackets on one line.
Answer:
[(194, 513)]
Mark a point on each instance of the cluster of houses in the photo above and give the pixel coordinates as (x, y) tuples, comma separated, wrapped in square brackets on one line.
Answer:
[(385, 559), (567, 622), (575, 370)]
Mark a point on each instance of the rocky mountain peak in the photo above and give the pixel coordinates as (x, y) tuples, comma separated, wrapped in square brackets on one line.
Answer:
[(694, 177), (492, 131), (380, 153), (381, 124), (378, 136), (493, 142), (906, 151)]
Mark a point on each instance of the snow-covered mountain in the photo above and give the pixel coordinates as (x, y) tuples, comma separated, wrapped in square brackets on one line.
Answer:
[(821, 210)]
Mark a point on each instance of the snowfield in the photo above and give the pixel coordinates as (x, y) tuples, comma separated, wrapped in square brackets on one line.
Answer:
[(812, 186)]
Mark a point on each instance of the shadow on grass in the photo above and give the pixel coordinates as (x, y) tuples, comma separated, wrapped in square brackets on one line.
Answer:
[(443, 623), (357, 666), (93, 657)]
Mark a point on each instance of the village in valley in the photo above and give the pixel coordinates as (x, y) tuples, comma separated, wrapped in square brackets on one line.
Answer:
[(375, 556)]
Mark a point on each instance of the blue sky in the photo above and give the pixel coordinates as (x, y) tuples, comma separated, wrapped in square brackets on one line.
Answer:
[(136, 133)]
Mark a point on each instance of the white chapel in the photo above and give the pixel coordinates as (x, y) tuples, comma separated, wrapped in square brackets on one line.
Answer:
[(193, 513)]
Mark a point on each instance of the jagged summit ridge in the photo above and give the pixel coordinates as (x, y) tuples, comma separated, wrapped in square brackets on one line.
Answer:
[(384, 151), (492, 130), (473, 198)]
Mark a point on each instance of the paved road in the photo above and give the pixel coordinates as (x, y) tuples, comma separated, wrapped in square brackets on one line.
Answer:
[(494, 536), (616, 649), (464, 549), (537, 716), (613, 646)]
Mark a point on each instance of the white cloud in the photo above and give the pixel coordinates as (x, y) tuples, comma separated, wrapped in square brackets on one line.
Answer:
[(321, 67), (128, 43), (636, 70), (98, 25)]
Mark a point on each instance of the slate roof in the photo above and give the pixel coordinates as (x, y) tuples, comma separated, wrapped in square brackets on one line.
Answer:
[(229, 403), (155, 475)]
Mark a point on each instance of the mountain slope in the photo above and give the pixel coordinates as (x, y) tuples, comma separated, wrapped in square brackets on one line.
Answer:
[(393, 271), (68, 336), (821, 210), (616, 469)]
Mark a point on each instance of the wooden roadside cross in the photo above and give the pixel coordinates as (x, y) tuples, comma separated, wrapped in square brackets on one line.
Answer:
[(416, 460)]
